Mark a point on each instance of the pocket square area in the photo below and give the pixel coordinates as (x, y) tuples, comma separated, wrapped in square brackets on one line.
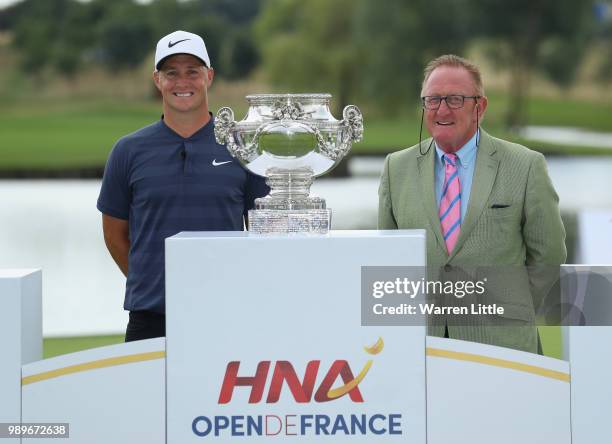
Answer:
[(499, 206)]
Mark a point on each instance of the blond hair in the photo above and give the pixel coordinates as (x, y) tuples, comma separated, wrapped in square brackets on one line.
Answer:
[(455, 62)]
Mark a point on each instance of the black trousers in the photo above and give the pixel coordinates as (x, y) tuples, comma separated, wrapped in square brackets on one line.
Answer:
[(145, 325)]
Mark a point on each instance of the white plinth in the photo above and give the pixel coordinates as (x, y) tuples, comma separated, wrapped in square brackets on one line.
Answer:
[(114, 394), (238, 297), (587, 348), (481, 394), (20, 334)]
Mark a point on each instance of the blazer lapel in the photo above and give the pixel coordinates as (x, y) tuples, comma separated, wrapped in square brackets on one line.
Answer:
[(482, 184), (427, 182)]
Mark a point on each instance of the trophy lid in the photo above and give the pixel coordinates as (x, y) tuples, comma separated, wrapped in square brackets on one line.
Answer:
[(323, 98)]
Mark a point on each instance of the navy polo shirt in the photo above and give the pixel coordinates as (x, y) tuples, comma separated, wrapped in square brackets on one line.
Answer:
[(163, 184)]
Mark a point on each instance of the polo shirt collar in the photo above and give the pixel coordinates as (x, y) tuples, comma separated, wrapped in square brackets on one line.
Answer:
[(204, 131)]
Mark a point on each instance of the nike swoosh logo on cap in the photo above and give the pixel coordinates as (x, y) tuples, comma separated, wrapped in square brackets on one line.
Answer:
[(170, 44), (215, 163)]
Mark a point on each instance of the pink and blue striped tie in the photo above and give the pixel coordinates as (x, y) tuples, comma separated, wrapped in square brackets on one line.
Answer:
[(450, 203)]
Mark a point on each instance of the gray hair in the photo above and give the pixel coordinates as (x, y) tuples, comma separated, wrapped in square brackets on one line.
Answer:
[(455, 62)]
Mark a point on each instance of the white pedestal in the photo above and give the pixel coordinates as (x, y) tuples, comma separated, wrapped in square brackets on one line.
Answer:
[(588, 350), (114, 394), (20, 334), (481, 394), (292, 305)]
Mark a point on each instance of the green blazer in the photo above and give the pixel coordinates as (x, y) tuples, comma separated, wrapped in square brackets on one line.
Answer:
[(512, 221)]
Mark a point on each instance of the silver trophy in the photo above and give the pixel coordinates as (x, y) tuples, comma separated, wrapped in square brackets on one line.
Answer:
[(290, 139)]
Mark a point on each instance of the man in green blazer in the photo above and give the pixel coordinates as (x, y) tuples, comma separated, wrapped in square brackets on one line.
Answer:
[(488, 207)]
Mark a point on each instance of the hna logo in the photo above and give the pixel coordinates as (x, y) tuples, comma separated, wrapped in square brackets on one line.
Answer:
[(301, 390)]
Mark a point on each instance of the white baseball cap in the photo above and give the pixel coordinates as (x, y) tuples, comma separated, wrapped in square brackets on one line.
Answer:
[(181, 42)]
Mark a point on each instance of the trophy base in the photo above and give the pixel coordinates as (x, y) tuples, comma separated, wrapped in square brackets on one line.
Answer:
[(290, 221)]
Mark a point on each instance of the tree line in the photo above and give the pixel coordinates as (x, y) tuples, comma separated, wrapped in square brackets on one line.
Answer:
[(67, 35), (365, 50)]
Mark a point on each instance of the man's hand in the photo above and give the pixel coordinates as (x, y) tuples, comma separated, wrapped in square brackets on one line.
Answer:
[(116, 237)]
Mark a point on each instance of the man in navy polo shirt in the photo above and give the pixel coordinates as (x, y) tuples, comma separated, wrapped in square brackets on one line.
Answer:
[(168, 177)]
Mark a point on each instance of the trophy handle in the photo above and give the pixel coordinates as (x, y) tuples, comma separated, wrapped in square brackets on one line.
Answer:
[(224, 125), (224, 134), (352, 131), (353, 122)]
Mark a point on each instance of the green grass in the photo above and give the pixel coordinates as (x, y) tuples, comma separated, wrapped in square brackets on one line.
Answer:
[(383, 136), (67, 135), (386, 136), (551, 343), (80, 133), (61, 346), (556, 112)]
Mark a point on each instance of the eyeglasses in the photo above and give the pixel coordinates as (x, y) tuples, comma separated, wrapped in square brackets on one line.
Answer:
[(452, 101)]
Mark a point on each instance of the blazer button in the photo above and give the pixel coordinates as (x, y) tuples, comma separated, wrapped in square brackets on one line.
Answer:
[(448, 267)]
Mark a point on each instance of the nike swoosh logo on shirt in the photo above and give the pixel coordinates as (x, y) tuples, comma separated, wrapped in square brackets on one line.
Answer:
[(215, 163), (170, 44)]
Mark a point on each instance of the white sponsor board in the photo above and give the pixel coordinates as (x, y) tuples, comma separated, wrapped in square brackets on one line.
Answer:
[(114, 394), (480, 394), (277, 318)]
